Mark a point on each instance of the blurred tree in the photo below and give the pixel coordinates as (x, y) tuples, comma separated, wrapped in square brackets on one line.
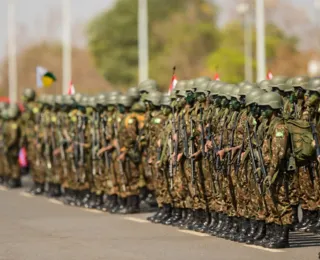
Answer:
[(229, 58), (181, 33)]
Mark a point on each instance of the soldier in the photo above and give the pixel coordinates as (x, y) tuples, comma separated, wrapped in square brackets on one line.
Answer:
[(109, 119), (12, 136), (3, 158), (129, 158), (274, 150)]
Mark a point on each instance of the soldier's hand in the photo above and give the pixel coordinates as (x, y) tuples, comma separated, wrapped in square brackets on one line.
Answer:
[(179, 157), (208, 145), (70, 149), (174, 137), (56, 152), (220, 154), (318, 158), (159, 143), (150, 161), (122, 157)]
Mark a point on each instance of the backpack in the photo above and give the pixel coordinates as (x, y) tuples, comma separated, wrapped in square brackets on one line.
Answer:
[(301, 140)]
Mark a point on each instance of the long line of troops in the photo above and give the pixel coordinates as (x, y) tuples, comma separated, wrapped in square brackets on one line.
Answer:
[(234, 161)]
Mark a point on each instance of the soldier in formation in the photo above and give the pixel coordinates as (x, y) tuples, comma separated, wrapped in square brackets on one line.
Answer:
[(233, 161)]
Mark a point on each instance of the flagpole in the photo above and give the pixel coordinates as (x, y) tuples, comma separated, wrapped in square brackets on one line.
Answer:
[(66, 48), (143, 40), (12, 52), (261, 50)]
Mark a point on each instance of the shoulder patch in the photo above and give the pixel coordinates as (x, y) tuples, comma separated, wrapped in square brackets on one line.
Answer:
[(130, 121), (157, 120), (279, 134), (14, 126)]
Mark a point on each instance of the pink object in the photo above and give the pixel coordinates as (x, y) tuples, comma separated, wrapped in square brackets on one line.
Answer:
[(269, 75), (173, 83), (216, 76), (23, 161), (71, 89)]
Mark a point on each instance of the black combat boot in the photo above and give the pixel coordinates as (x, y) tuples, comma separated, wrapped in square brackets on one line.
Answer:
[(254, 226), (84, 198), (50, 190), (122, 206), (165, 214), (154, 216), (261, 232), (111, 204), (282, 238), (295, 218), (56, 190), (14, 183), (206, 222), (91, 203), (184, 216), (37, 189), (313, 221), (202, 218), (269, 235), (99, 201), (245, 228), (316, 228), (214, 221), (304, 221), (220, 225), (167, 218), (176, 216), (227, 227), (1, 180), (132, 205), (196, 220), (235, 229), (188, 219), (73, 197)]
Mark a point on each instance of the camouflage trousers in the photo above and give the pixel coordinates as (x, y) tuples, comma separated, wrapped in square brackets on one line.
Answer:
[(2, 165), (161, 185), (147, 177), (307, 191), (278, 203), (12, 168), (128, 179), (210, 184)]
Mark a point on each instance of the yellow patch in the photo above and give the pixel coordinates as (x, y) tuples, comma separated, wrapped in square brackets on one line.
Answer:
[(35, 110), (130, 121), (53, 119), (279, 134), (157, 120), (14, 126)]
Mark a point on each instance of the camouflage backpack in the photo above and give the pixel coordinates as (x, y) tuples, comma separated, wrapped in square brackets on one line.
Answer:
[(301, 141)]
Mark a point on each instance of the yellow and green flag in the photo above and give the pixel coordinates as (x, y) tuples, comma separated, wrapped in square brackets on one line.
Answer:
[(44, 77)]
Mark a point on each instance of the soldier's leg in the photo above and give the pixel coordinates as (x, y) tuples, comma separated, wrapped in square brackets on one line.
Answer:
[(15, 174)]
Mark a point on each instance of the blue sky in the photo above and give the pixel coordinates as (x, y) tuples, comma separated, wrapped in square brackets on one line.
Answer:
[(39, 19)]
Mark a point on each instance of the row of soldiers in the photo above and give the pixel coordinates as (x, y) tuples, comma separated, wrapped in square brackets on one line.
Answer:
[(234, 161)]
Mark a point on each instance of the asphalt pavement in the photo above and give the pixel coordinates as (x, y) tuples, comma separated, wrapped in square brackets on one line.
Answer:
[(38, 228)]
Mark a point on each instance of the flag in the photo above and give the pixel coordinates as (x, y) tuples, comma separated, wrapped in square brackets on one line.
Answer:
[(71, 89), (269, 75), (216, 76), (173, 83), (44, 77), (23, 161)]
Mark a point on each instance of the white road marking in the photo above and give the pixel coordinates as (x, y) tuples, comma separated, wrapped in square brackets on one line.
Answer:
[(266, 249), (139, 220), (54, 201), (93, 211), (2, 188), (27, 195), (194, 233)]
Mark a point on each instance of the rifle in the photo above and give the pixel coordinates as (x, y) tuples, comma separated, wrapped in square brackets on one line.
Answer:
[(202, 134), (105, 143), (62, 146), (94, 143), (228, 173), (218, 163), (38, 122), (193, 150), (176, 147)]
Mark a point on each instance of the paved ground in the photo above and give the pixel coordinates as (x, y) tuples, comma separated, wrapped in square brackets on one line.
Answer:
[(36, 228)]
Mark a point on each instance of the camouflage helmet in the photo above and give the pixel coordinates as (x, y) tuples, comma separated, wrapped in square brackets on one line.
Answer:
[(203, 88), (77, 98), (112, 97), (272, 99), (279, 82), (314, 85), (243, 83), (300, 81), (139, 107), (148, 85), (49, 100), (218, 86), (29, 94), (227, 90), (84, 101), (265, 85), (125, 100), (182, 93), (134, 93), (246, 89), (235, 92), (4, 114), (3, 105), (92, 101), (181, 85), (210, 86), (59, 100), (101, 99), (68, 100), (154, 97), (191, 85), (289, 84), (253, 96), (165, 100), (13, 111)]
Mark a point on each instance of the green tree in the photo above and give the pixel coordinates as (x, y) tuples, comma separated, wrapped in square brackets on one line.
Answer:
[(229, 60), (181, 33)]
